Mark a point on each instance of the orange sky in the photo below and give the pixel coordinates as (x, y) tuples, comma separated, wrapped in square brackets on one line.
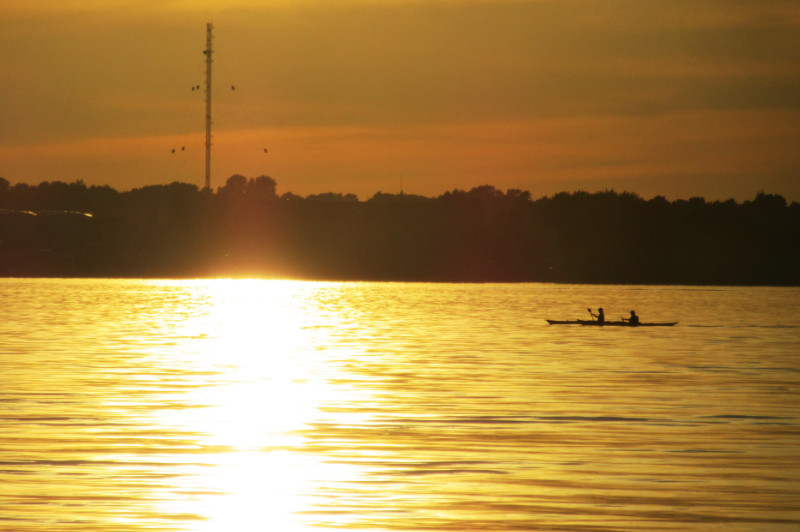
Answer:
[(677, 98)]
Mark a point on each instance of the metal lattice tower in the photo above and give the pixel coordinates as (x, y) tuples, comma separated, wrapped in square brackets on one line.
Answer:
[(208, 52)]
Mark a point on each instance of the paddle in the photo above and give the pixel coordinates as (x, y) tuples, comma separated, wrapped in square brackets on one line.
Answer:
[(594, 318)]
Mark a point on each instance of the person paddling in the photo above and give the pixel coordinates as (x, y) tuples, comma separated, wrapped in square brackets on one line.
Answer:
[(600, 316), (633, 320)]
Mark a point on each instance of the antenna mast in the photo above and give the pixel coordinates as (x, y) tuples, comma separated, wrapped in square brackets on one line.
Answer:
[(208, 51)]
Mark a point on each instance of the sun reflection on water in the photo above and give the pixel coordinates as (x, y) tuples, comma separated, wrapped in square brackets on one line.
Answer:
[(259, 341)]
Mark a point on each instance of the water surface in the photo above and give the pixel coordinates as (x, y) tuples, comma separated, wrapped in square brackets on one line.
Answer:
[(221, 405)]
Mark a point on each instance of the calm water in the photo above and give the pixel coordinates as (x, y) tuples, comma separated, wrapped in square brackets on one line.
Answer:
[(273, 405)]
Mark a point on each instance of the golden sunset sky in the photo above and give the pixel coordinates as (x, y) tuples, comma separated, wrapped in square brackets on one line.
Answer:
[(659, 97)]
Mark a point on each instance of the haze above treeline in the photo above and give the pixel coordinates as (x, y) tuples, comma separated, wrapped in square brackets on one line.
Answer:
[(245, 229)]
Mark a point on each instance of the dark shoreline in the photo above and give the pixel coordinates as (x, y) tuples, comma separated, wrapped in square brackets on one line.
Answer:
[(482, 235), (386, 281)]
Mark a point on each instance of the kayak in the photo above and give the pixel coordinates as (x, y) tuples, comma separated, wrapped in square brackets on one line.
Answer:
[(610, 323)]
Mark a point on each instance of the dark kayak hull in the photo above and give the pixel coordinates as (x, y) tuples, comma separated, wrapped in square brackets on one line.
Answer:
[(609, 323)]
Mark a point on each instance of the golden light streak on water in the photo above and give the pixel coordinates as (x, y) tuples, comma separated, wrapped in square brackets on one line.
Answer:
[(262, 342)]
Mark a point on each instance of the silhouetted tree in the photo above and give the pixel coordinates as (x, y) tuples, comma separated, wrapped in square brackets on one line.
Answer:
[(5, 198), (262, 189), (234, 186), (332, 196), (482, 234)]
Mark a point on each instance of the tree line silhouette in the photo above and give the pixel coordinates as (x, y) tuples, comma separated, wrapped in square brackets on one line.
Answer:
[(246, 229)]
